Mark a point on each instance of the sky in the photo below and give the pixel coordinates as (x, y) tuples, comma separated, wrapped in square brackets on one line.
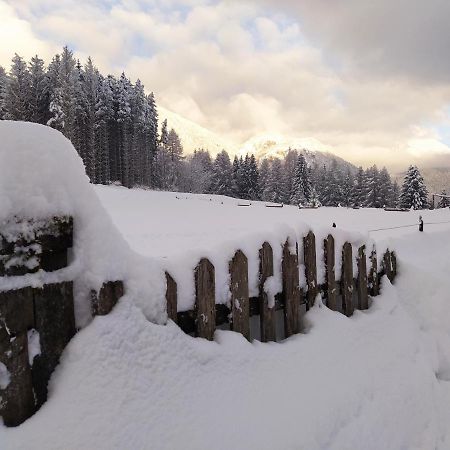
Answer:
[(370, 80)]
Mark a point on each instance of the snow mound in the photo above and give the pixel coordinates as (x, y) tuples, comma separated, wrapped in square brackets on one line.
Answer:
[(41, 176)]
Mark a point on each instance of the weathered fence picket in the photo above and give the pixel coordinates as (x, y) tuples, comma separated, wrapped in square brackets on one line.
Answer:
[(373, 274), (363, 296), (309, 247), (291, 291), (347, 280), (240, 302), (172, 298), (330, 275), (266, 313), (205, 299)]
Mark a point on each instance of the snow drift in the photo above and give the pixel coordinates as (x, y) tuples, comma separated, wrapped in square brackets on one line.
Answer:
[(41, 176)]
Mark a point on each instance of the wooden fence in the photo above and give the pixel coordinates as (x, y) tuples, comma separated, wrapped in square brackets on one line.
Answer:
[(351, 292), (27, 246)]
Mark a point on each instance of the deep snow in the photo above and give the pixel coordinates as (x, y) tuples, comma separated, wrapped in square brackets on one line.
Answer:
[(380, 379)]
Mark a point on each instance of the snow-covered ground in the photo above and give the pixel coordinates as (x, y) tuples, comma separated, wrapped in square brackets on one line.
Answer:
[(377, 380), (380, 379)]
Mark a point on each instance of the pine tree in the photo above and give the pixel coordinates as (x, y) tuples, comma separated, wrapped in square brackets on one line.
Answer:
[(222, 175), (125, 129), (372, 196), (39, 92), (414, 192), (18, 91), (264, 173), (386, 189), (253, 179), (175, 154), (347, 189), (359, 188), (275, 190), (298, 196), (57, 117), (444, 202), (3, 91)]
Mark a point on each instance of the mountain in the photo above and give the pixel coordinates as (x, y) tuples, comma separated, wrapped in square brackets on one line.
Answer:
[(194, 137)]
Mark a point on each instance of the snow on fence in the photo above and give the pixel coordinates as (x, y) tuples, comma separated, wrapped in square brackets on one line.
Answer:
[(36, 323), (350, 293)]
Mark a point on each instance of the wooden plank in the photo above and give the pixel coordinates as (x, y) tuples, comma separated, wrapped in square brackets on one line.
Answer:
[(363, 297), (240, 302), (309, 244), (17, 399), (330, 274), (16, 317), (373, 275), (347, 279), (387, 265), (171, 298), (55, 323), (291, 291), (205, 299), (267, 315), (394, 266)]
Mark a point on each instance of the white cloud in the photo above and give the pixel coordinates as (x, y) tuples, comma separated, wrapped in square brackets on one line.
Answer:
[(242, 70)]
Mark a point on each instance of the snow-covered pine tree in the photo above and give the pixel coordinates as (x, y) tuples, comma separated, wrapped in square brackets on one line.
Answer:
[(197, 172), (373, 198), (347, 189), (414, 192), (151, 119), (275, 190), (57, 117), (125, 129), (175, 154), (82, 130), (3, 88), (298, 196), (253, 179), (359, 188), (222, 175), (39, 92), (18, 90), (264, 172), (444, 201), (290, 162), (103, 114), (386, 189)]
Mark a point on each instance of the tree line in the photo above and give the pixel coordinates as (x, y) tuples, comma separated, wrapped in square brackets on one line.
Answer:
[(113, 125)]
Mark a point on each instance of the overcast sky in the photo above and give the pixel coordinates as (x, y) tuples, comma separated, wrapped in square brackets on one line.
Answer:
[(368, 79)]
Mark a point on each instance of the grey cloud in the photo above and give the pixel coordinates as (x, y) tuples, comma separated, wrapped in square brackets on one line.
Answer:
[(384, 37)]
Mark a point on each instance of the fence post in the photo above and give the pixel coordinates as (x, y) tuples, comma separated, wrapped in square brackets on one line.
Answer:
[(205, 299), (363, 298), (291, 291), (394, 265), (309, 244), (330, 276), (171, 298), (240, 303), (16, 316), (373, 275), (267, 315), (347, 279), (387, 265)]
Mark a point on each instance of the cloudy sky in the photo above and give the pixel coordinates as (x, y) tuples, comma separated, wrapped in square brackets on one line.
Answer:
[(369, 79)]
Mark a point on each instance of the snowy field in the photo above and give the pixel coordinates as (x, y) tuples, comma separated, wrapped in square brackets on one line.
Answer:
[(377, 380)]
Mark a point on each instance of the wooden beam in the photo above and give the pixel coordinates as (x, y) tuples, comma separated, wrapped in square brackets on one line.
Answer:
[(330, 275), (267, 315), (291, 291), (205, 299), (240, 303)]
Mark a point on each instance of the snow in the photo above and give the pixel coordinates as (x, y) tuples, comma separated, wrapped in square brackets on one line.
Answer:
[(380, 379), (34, 345), (4, 377), (42, 176)]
